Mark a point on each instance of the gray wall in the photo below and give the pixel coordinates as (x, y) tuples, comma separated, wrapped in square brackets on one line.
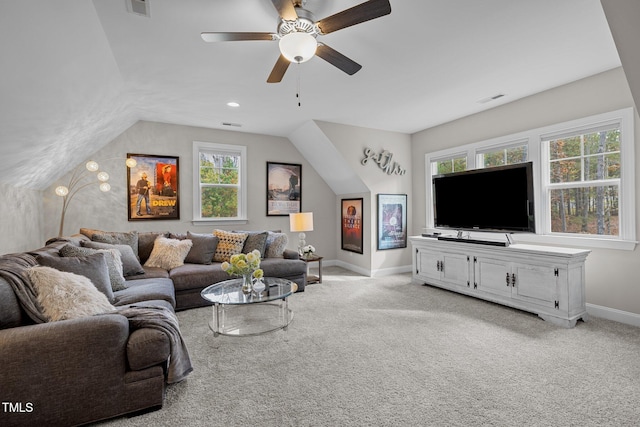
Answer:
[(21, 213), (612, 275), (351, 141), (108, 211)]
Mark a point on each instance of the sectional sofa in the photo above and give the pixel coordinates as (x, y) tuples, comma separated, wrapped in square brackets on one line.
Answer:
[(85, 369)]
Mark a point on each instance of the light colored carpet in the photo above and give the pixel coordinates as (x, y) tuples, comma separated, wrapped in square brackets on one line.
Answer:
[(385, 352)]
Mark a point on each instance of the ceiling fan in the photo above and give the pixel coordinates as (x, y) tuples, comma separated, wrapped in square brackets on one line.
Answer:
[(298, 30)]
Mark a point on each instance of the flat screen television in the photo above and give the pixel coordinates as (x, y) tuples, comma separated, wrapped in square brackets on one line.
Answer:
[(498, 199)]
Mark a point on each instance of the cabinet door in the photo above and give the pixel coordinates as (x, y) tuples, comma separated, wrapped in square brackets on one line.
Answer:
[(492, 276), (428, 264), (537, 284), (455, 269)]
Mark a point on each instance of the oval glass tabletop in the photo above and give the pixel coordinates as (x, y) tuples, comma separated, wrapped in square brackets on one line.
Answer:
[(230, 291)]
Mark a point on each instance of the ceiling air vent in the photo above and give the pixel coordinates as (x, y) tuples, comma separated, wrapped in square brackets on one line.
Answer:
[(491, 98), (235, 125), (138, 7)]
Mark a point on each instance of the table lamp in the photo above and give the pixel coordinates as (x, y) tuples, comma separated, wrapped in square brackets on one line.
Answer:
[(299, 223)]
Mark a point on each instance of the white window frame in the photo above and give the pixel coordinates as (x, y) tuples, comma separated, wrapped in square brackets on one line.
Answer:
[(537, 154), (213, 147)]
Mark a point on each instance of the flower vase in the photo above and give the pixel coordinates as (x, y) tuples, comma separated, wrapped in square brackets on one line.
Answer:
[(259, 286), (247, 283)]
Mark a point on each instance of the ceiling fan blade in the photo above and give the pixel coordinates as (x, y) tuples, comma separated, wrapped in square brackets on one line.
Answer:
[(363, 12), (285, 9), (337, 59), (278, 70), (232, 37)]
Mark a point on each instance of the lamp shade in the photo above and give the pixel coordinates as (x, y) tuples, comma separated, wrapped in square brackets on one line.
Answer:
[(300, 222), (298, 47)]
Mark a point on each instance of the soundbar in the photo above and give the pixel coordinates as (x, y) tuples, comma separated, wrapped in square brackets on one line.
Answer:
[(475, 241)]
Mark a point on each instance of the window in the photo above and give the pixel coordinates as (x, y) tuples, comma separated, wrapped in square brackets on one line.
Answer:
[(583, 182), (219, 175), (584, 178), (448, 165), (503, 155)]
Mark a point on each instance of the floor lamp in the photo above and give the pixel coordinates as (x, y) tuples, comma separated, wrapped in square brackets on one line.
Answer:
[(299, 223)]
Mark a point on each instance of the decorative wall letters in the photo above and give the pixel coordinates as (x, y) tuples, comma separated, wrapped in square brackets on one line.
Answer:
[(384, 159)]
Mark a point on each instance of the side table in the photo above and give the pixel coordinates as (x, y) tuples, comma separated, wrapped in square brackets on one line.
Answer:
[(313, 258)]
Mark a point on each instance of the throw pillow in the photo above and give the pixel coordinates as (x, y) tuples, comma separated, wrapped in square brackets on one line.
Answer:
[(65, 295), (204, 246), (112, 256), (229, 244), (255, 241), (129, 238), (130, 264), (168, 253), (146, 239), (276, 244), (93, 267)]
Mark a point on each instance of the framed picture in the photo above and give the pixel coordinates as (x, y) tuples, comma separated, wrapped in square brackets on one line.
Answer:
[(284, 188), (153, 188), (392, 221), (351, 212)]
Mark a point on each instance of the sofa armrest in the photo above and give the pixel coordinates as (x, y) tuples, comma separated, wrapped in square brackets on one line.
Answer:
[(290, 254), (52, 364)]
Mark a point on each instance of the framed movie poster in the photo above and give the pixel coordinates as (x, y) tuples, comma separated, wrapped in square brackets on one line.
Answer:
[(153, 187), (284, 188), (351, 212), (392, 221)]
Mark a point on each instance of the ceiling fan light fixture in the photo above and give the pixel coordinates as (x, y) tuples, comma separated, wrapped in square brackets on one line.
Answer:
[(298, 46)]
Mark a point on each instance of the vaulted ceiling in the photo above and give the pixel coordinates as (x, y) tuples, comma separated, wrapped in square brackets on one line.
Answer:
[(76, 73)]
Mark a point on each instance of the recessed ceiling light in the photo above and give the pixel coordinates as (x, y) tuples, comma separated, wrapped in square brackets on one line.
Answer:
[(233, 104)]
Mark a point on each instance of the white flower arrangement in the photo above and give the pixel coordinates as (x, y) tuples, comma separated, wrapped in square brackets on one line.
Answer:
[(308, 250)]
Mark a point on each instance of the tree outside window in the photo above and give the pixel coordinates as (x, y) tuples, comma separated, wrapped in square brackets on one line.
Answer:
[(584, 183), (219, 179)]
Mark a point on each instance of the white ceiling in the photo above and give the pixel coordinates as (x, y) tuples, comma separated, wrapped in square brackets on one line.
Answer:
[(76, 74)]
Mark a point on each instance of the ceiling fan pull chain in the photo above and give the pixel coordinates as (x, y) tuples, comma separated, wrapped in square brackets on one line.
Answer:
[(298, 87)]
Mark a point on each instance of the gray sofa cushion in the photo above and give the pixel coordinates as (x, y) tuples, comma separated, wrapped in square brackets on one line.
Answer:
[(150, 273), (94, 267), (204, 246), (279, 267), (113, 259), (147, 347), (10, 311), (129, 238), (130, 264), (194, 276), (144, 290)]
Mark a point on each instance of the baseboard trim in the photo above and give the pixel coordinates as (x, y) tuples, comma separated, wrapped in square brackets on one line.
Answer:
[(394, 270), (603, 312), (616, 315), (372, 273), (354, 268)]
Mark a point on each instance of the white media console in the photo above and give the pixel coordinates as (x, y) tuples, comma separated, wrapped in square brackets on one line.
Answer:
[(547, 281)]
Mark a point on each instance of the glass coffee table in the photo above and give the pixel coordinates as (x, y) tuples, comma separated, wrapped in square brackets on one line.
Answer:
[(239, 314)]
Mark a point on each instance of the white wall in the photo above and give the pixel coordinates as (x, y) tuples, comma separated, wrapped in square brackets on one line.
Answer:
[(21, 213), (351, 141), (612, 275), (108, 211)]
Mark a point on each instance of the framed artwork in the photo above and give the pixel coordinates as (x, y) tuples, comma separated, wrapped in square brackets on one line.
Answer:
[(153, 188), (284, 188), (392, 221), (351, 213)]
